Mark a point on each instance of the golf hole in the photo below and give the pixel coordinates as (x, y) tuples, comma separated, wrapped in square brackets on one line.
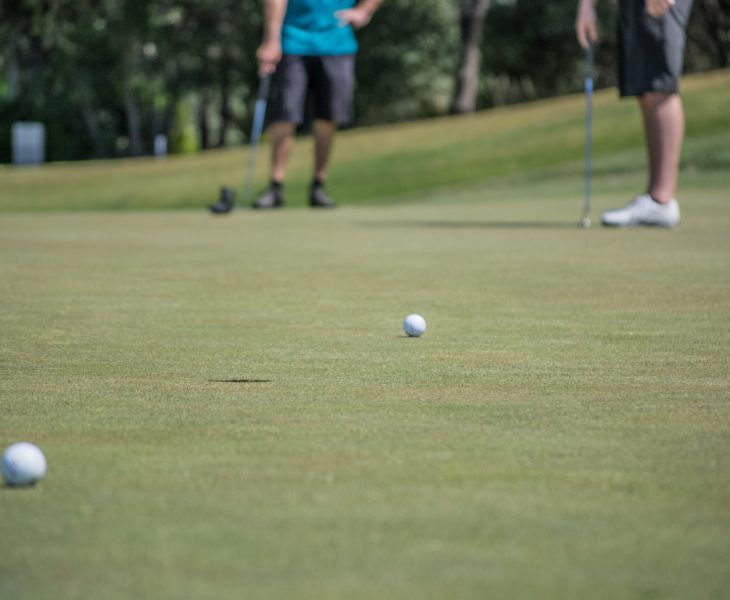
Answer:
[(240, 380)]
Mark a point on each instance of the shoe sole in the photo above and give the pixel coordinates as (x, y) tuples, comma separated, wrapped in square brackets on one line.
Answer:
[(632, 225), (220, 210)]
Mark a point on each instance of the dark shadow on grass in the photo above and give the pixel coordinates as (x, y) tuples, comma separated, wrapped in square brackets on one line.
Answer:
[(474, 224), (18, 488), (239, 381)]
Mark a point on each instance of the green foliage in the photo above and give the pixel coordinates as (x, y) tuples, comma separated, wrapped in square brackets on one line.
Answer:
[(530, 49), (101, 73), (183, 134), (407, 59), (106, 77)]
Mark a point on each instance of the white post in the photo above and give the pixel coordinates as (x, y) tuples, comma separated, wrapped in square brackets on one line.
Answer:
[(29, 143), (160, 145)]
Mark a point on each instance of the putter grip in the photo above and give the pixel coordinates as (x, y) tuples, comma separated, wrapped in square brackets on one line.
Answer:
[(264, 87)]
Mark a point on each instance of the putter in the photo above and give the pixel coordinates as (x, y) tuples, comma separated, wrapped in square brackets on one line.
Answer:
[(588, 167), (226, 203)]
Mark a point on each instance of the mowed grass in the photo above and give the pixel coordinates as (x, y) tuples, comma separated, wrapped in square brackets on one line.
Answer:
[(230, 409), (394, 163), (561, 431)]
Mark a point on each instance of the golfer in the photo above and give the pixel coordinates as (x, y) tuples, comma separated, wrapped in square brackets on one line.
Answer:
[(651, 35), (310, 47)]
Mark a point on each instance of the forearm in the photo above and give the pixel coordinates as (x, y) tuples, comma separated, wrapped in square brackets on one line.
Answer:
[(586, 23), (269, 52), (369, 5), (274, 11), (360, 15), (587, 5)]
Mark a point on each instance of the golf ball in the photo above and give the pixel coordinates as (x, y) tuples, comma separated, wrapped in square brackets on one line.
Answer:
[(23, 464), (414, 325)]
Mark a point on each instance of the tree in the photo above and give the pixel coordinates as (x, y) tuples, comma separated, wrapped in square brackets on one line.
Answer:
[(708, 35), (471, 20), (106, 76), (530, 51), (407, 57)]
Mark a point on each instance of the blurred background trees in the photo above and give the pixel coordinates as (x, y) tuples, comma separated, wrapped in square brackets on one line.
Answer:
[(107, 76)]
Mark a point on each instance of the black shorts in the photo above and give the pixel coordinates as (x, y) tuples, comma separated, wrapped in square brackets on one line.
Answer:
[(329, 80), (650, 50)]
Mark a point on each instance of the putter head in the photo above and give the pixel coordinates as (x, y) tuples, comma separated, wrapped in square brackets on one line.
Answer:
[(585, 222), (225, 203)]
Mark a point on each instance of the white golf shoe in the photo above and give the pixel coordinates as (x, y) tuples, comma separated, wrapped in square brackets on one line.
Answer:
[(643, 211)]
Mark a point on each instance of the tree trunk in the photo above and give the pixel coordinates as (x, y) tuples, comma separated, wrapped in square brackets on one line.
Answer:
[(134, 121), (225, 106), (203, 125), (473, 15), (13, 71), (92, 125)]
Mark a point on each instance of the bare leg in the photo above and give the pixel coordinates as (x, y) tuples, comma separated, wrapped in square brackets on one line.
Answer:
[(663, 115), (324, 132), (282, 137)]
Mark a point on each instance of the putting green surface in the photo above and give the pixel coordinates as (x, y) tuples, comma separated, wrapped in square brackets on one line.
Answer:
[(230, 409)]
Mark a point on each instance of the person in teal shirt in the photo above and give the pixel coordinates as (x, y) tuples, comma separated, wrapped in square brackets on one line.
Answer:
[(312, 28), (309, 46)]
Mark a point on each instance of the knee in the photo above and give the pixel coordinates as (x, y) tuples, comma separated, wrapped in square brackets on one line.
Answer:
[(653, 99)]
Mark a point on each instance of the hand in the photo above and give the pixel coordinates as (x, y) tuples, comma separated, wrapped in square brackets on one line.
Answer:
[(268, 55), (357, 17), (658, 8), (586, 24)]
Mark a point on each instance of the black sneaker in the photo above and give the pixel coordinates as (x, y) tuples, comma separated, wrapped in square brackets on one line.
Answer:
[(319, 198), (270, 198), (226, 202)]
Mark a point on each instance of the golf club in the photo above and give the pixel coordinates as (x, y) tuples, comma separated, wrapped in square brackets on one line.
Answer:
[(226, 202), (586, 220)]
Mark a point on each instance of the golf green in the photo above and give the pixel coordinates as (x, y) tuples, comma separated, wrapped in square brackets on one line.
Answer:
[(230, 409)]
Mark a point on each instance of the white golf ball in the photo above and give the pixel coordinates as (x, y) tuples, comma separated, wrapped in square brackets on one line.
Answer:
[(414, 325), (23, 464)]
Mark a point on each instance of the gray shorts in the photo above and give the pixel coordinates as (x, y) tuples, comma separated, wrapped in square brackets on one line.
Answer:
[(328, 80), (650, 50)]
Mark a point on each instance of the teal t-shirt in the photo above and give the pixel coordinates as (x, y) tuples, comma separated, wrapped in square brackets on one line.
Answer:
[(311, 29)]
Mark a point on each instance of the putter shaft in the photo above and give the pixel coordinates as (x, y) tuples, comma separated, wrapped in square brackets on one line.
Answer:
[(256, 131), (588, 162)]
